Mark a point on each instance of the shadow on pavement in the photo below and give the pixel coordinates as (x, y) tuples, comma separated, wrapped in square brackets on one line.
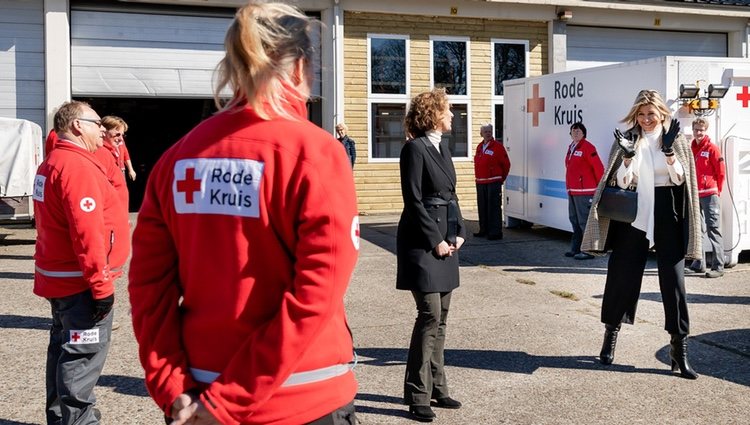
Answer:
[(12, 321), (701, 298), (16, 257), (16, 276), (124, 385), (502, 361), (9, 422)]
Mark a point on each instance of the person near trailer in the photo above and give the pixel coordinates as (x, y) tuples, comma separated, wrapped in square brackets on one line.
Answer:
[(656, 158), (348, 142), (244, 248), (430, 233), (491, 168), (583, 170), (711, 170), (82, 244)]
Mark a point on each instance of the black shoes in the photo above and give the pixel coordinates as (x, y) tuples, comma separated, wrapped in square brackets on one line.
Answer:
[(421, 413), (570, 254), (447, 403), (678, 356), (607, 355), (494, 237), (583, 256), (480, 234), (425, 413)]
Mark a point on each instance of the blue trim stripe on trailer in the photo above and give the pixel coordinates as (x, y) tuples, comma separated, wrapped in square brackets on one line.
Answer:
[(545, 187)]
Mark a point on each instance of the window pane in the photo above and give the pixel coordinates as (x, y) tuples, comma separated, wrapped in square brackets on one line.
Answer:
[(388, 62), (387, 129), (510, 63), (450, 66), (458, 138), (499, 122)]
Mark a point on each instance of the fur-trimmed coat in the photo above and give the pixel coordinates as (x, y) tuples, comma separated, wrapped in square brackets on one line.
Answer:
[(595, 235)]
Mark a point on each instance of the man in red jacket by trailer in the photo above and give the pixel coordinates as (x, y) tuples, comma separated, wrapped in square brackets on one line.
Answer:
[(583, 170), (710, 170), (491, 168), (82, 243)]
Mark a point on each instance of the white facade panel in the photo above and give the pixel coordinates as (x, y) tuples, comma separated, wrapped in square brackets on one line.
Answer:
[(596, 46), (133, 54), (22, 60)]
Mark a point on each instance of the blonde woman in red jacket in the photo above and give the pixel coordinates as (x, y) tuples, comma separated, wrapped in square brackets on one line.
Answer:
[(583, 170), (244, 249)]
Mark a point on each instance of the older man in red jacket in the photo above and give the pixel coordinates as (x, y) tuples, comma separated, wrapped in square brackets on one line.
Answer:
[(491, 168), (82, 242)]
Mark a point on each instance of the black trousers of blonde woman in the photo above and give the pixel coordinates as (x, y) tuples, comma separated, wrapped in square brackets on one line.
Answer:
[(425, 375), (627, 263)]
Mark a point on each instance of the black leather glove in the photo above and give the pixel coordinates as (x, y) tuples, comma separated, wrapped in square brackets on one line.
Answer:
[(626, 142), (102, 307), (667, 138)]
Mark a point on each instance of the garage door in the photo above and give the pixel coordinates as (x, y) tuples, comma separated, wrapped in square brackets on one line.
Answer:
[(595, 46), (146, 54), (22, 60), (132, 54)]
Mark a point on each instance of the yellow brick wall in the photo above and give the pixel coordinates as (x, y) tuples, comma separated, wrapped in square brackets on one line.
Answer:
[(378, 187)]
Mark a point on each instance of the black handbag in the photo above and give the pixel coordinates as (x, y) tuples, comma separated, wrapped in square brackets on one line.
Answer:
[(618, 204)]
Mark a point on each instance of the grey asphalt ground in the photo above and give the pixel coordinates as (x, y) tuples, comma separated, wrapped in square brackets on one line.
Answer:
[(523, 336)]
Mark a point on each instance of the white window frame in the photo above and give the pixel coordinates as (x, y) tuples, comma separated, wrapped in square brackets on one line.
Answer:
[(401, 99), (500, 100), (453, 98)]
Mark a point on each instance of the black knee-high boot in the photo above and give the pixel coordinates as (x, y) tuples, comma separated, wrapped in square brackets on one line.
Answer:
[(607, 355), (678, 355)]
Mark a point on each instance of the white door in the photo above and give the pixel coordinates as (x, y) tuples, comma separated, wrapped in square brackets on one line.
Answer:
[(514, 139)]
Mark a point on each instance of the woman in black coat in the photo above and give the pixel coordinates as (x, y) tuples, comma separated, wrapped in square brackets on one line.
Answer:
[(430, 233)]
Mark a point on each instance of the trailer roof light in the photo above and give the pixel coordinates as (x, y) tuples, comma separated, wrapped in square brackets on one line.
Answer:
[(717, 92), (689, 91)]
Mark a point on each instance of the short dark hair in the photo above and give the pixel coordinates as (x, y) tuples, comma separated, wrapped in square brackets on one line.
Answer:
[(579, 125)]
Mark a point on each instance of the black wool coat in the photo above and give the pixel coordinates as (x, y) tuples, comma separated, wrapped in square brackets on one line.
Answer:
[(425, 172)]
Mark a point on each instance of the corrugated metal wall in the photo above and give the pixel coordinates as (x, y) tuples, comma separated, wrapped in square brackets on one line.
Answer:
[(22, 60)]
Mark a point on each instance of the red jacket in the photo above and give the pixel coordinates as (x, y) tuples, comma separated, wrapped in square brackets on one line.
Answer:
[(114, 174), (82, 239), (245, 243), (583, 169), (50, 143), (709, 167), (491, 164), (116, 154)]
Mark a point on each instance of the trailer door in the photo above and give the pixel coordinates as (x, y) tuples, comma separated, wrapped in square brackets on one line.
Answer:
[(514, 138)]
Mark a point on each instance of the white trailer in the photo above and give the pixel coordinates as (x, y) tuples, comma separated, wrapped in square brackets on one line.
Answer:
[(539, 111), (21, 153)]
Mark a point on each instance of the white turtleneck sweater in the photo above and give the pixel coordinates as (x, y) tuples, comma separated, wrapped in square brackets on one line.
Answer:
[(649, 169), (435, 137)]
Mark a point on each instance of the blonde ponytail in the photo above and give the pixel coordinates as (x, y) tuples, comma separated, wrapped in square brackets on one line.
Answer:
[(263, 44)]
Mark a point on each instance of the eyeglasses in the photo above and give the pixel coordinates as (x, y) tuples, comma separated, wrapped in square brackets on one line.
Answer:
[(97, 122)]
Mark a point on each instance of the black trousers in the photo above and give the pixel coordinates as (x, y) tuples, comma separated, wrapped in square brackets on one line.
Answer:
[(489, 204), (628, 261), (425, 375)]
